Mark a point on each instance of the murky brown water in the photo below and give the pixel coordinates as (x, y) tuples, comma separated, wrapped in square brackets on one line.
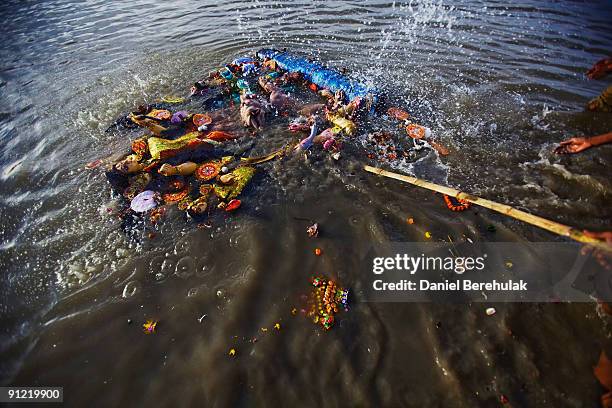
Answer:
[(499, 84)]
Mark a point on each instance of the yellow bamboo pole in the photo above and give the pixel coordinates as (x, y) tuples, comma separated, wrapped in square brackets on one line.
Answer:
[(543, 223)]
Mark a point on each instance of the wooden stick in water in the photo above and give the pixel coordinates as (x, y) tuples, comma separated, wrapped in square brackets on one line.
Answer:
[(543, 223)]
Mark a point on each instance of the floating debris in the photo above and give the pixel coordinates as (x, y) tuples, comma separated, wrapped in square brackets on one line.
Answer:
[(150, 326), (313, 230), (233, 205), (94, 164), (173, 99)]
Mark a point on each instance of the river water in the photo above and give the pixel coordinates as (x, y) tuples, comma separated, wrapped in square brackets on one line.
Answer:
[(499, 83)]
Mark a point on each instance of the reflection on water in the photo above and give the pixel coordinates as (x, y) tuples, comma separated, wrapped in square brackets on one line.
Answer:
[(498, 83)]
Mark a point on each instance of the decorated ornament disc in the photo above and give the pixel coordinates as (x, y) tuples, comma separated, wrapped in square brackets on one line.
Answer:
[(200, 119), (207, 171), (161, 114)]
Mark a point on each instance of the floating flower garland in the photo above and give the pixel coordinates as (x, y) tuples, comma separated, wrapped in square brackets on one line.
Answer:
[(176, 196), (327, 300), (456, 204)]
